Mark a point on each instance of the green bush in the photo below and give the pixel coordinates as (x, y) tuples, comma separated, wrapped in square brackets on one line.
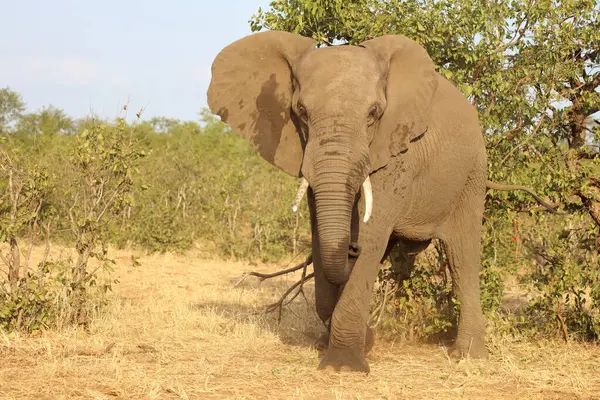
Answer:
[(94, 188), (422, 303), (206, 185), (44, 298)]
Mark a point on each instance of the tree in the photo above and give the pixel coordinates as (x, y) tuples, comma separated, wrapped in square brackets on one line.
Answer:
[(11, 108), (104, 160), (47, 122), (23, 210)]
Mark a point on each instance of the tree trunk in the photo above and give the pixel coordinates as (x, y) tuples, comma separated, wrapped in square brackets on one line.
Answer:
[(14, 265), (79, 278)]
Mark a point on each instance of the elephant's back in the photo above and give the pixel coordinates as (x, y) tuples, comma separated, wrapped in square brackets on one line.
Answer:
[(455, 131), (454, 116)]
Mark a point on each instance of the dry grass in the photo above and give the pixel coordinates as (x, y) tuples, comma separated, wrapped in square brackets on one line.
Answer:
[(177, 328)]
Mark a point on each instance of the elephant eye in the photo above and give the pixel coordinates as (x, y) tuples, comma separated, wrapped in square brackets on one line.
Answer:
[(302, 112), (373, 114)]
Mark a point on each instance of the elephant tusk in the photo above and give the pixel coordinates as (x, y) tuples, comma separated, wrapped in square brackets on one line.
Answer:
[(300, 194), (368, 193)]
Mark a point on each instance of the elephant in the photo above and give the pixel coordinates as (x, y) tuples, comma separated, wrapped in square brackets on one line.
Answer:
[(373, 123)]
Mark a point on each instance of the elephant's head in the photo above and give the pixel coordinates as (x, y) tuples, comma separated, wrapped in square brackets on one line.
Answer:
[(331, 115)]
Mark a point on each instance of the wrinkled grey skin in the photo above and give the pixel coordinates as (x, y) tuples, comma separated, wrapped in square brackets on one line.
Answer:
[(336, 115)]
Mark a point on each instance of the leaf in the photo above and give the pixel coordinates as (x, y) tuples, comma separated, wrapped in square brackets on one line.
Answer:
[(467, 90)]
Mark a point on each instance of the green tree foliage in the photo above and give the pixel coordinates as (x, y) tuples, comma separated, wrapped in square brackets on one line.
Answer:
[(202, 184), (198, 184), (47, 122), (97, 185), (25, 301), (23, 208), (11, 108), (104, 161), (532, 70)]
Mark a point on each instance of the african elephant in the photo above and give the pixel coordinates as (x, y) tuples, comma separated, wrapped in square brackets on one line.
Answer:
[(376, 116)]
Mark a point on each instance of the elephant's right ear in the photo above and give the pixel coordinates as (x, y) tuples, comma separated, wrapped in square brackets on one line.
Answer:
[(251, 90), (411, 85)]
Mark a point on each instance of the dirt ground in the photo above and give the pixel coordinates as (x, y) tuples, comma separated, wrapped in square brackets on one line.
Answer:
[(177, 328)]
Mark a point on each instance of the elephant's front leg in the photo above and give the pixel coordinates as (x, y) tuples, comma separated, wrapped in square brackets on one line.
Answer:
[(349, 339)]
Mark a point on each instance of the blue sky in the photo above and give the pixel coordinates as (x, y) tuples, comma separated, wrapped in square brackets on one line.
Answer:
[(83, 56)]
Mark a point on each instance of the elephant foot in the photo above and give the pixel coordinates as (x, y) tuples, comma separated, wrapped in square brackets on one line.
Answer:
[(344, 359), (472, 347), (322, 342)]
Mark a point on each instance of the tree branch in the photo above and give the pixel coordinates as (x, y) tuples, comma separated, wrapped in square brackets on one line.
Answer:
[(279, 304), (507, 188), (537, 127), (264, 277)]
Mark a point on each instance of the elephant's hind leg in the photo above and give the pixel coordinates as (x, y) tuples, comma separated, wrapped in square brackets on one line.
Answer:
[(462, 242)]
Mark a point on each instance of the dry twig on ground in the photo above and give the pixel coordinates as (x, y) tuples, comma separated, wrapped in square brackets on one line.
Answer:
[(298, 286)]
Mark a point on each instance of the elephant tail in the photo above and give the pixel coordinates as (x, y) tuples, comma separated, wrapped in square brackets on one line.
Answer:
[(506, 188)]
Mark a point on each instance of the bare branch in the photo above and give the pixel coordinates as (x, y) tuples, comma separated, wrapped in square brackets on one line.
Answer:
[(47, 244), (279, 304), (381, 309), (536, 129), (263, 277), (507, 188), (563, 327), (72, 218)]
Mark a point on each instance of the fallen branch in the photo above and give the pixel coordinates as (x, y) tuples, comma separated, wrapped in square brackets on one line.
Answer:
[(279, 304), (507, 188), (264, 277)]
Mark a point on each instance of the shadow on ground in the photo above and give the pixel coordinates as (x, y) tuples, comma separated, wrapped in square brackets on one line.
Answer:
[(296, 324)]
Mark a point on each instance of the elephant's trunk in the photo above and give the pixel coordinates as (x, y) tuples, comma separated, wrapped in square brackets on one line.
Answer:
[(336, 165), (367, 194), (334, 205)]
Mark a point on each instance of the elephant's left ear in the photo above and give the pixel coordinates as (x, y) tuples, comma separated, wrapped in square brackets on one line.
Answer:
[(411, 84)]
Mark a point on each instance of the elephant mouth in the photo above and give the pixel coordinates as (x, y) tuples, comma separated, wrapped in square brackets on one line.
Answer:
[(367, 191), (354, 250)]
